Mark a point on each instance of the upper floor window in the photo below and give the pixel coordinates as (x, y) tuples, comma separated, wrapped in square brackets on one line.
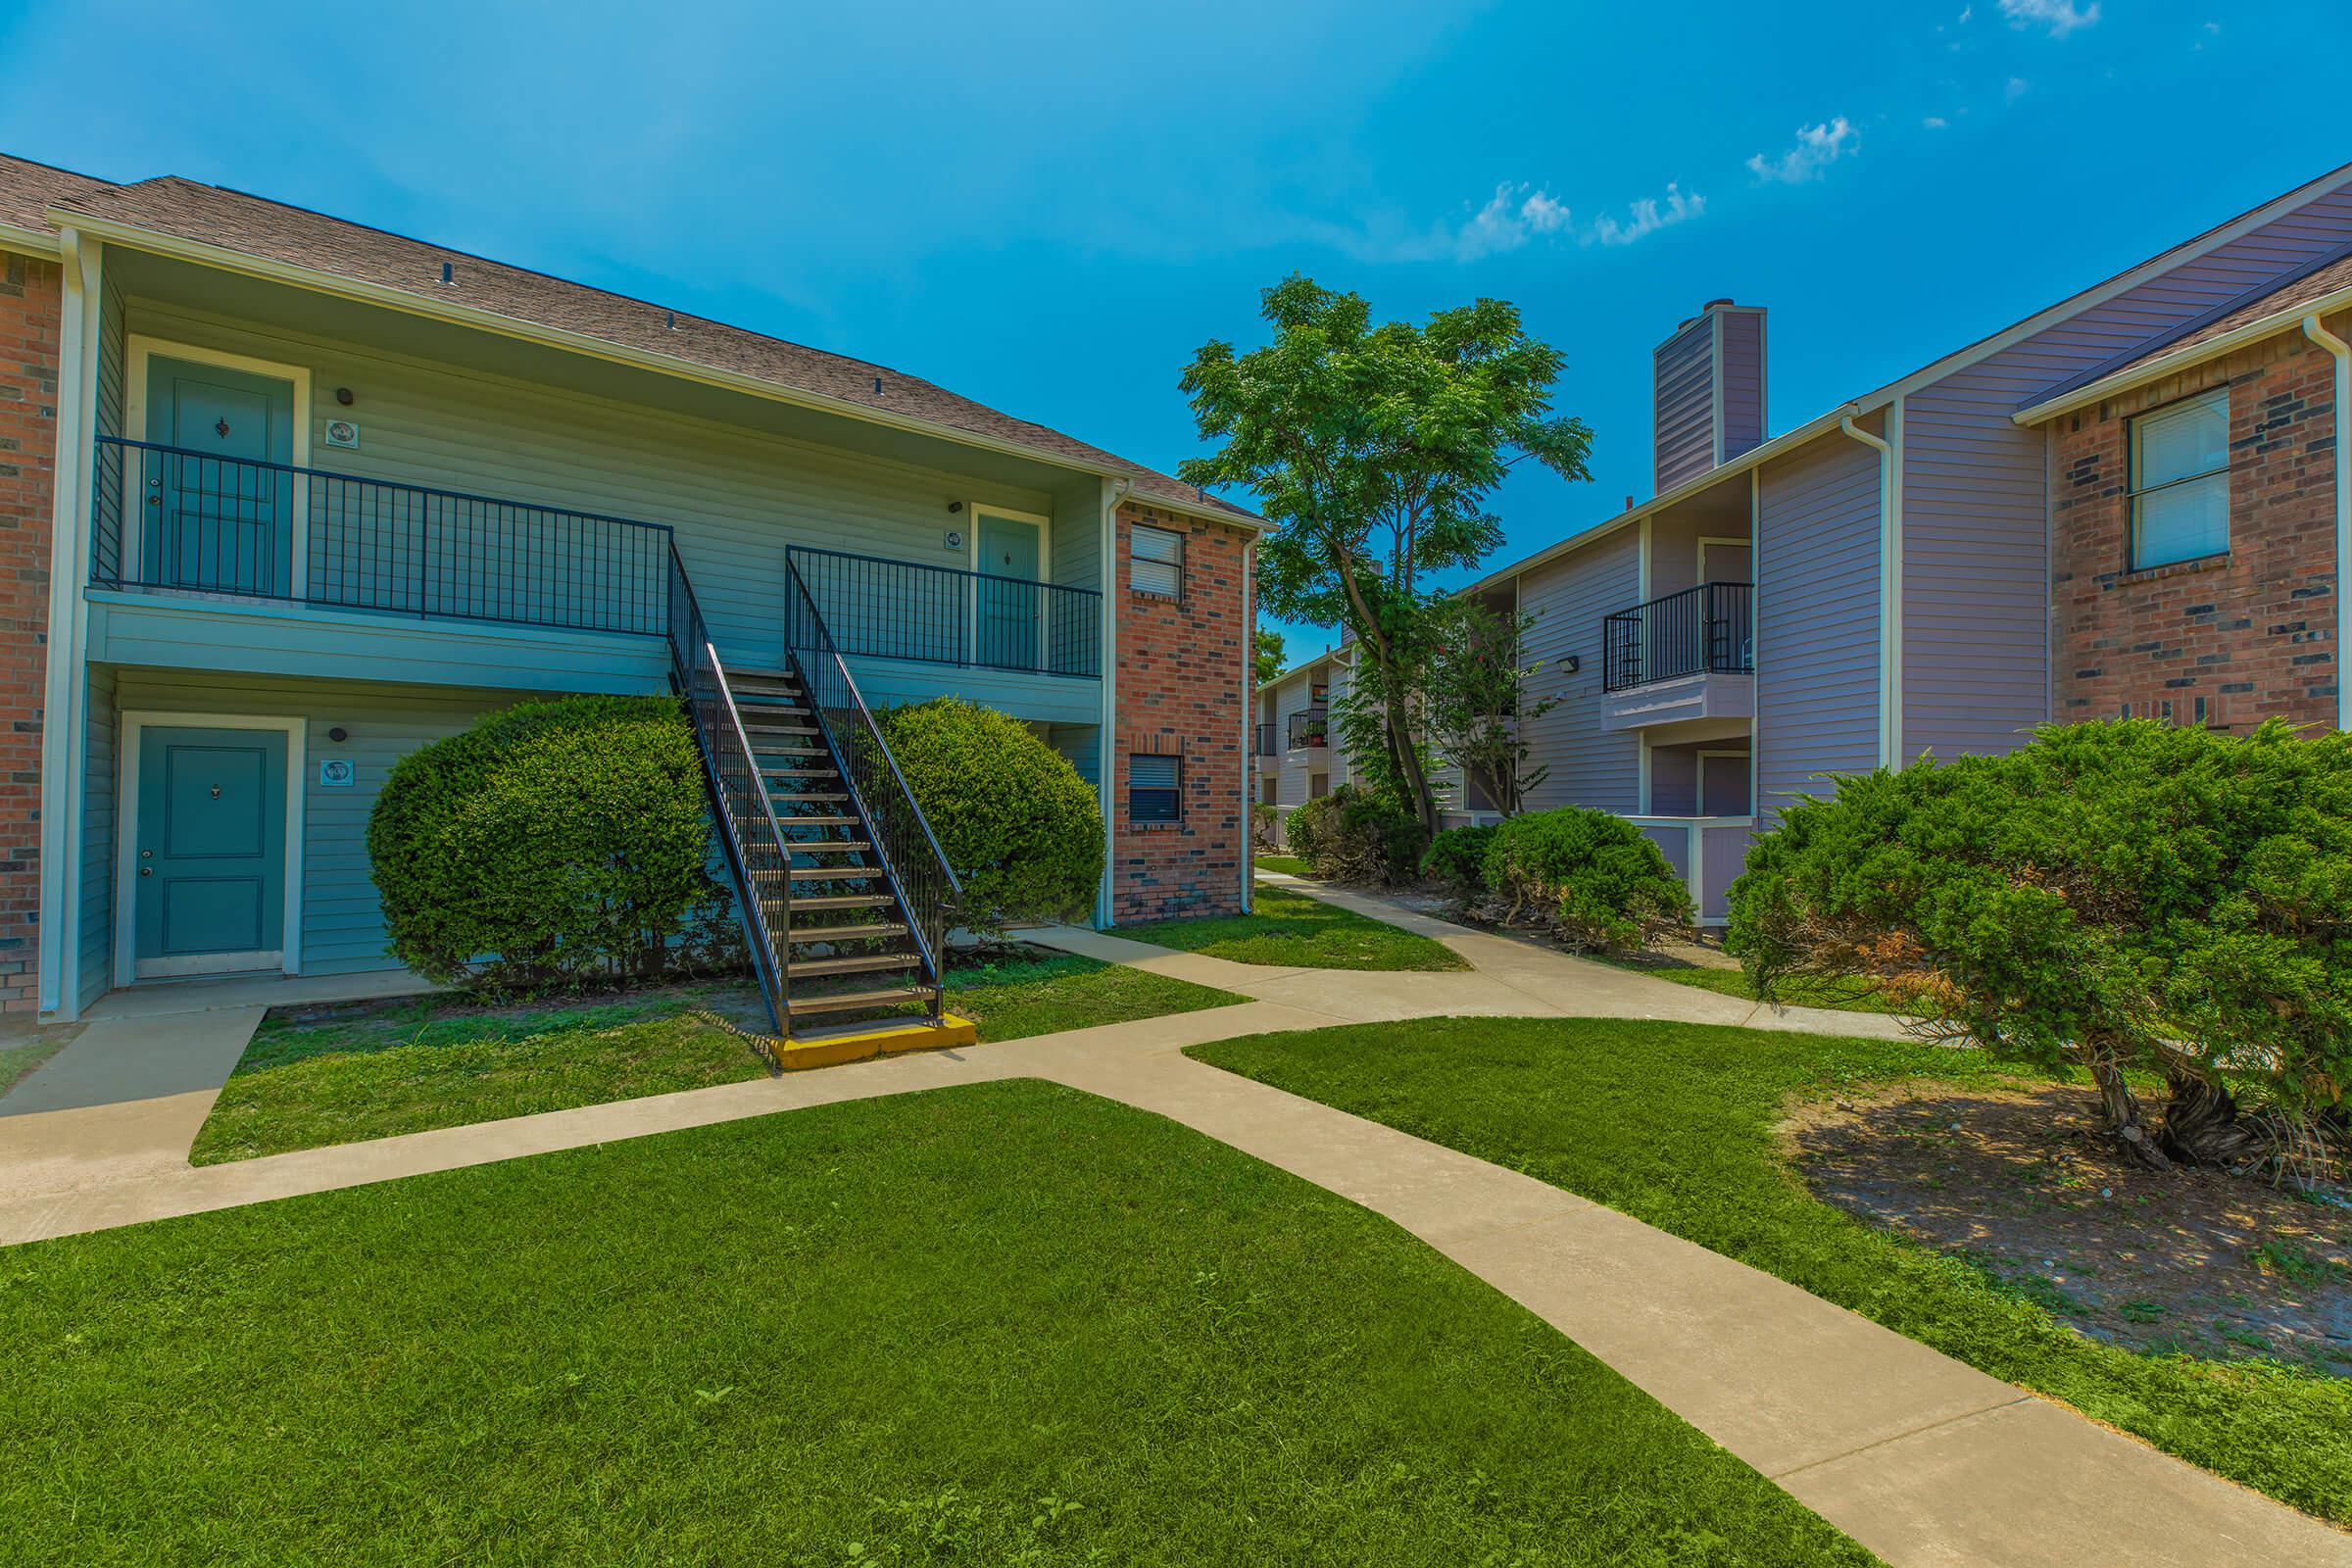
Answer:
[(2180, 481), (1156, 561)]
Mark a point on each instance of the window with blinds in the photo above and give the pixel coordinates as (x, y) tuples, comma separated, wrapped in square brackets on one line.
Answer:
[(1154, 789), (2180, 481), (1156, 561)]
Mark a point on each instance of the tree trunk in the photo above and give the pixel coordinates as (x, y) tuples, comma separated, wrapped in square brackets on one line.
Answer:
[(2201, 1125), (2124, 1120), (1408, 758)]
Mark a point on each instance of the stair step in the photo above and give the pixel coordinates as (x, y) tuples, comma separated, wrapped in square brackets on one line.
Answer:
[(841, 1000), (825, 846), (803, 796), (816, 821), (863, 965), (839, 901), (867, 932)]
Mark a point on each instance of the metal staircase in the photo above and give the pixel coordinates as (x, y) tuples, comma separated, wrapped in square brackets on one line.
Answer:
[(846, 896)]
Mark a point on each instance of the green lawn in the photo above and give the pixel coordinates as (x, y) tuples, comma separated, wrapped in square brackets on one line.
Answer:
[(1006, 1324), (1292, 929), (21, 1054), (1286, 864), (1802, 992), (1673, 1124), (438, 1062)]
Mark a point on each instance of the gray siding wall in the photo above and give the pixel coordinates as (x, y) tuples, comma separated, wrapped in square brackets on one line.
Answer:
[(1743, 374), (1817, 617), (1568, 597), (1974, 491), (736, 497), (1683, 404)]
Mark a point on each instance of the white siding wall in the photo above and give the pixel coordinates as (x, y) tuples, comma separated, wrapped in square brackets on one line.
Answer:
[(1817, 618), (1568, 597)]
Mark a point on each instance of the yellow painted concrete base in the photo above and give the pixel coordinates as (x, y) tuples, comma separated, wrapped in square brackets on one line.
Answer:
[(831, 1050)]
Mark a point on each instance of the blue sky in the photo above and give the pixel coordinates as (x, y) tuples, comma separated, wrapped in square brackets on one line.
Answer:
[(1049, 206)]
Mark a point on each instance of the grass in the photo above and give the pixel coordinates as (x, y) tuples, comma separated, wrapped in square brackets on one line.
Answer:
[(1798, 991), (1286, 864), (1292, 929), (1006, 1324), (441, 1061), (19, 1054), (1675, 1124)]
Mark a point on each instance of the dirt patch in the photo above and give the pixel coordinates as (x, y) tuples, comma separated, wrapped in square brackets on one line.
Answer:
[(2021, 1185)]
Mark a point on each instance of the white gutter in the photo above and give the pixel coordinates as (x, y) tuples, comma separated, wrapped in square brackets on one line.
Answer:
[(2182, 359), (2342, 353), (1115, 495), (31, 241), (1890, 580), (335, 284), (1249, 719)]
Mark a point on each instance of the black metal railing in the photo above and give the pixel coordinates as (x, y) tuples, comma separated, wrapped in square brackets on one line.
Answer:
[(167, 519), (946, 615), (1310, 726), (909, 855), (1710, 629), (748, 833), (1262, 741)]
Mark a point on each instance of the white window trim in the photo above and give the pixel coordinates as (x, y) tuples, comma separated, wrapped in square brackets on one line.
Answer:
[(134, 723), (2134, 490), (138, 350)]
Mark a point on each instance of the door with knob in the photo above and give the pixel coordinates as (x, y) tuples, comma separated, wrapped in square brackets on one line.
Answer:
[(210, 851)]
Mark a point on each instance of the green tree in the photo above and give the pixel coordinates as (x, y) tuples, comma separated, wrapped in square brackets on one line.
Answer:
[(1476, 701), (2130, 898), (1266, 653), (1373, 450)]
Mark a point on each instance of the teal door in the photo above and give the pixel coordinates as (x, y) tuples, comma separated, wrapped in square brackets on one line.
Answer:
[(211, 892), (212, 518), (1011, 608)]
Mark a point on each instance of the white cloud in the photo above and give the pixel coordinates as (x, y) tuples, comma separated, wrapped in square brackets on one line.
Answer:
[(1817, 147), (1511, 217), (1933, 122), (2017, 89), (2061, 16), (1966, 12), (1646, 216)]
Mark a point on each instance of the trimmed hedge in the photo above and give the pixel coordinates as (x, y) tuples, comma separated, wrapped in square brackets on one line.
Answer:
[(554, 844), (1354, 835), (1457, 857), (1023, 831), (1592, 878)]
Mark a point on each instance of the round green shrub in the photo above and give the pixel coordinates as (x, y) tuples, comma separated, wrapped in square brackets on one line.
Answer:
[(1022, 830), (1357, 834), (553, 844), (2129, 896), (1593, 878), (1457, 857)]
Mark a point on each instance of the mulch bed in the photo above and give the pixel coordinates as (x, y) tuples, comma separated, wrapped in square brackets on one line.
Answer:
[(2024, 1187)]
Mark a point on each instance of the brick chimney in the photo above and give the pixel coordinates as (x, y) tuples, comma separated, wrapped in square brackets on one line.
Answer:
[(1708, 391)]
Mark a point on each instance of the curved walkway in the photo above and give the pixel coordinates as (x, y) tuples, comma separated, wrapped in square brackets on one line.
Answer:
[(1921, 1458)]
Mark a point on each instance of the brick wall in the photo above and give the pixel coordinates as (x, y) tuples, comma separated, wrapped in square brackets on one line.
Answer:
[(31, 295), (1182, 690), (2231, 640)]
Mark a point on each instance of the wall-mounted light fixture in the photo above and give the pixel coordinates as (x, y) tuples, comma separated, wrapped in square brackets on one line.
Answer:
[(344, 397), (954, 505), (338, 734), (1574, 663)]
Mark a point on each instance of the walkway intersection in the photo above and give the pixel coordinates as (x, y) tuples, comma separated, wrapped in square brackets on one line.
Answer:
[(1921, 1458)]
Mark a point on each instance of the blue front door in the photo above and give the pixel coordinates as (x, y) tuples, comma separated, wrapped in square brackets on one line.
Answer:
[(1009, 598), (214, 518), (211, 889)]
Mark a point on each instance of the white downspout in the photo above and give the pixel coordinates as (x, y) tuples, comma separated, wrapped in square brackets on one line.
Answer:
[(2341, 351), (1249, 715), (1890, 588), (65, 688), (1114, 493)]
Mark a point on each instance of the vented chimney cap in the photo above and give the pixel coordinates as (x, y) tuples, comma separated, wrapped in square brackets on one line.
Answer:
[(1711, 304)]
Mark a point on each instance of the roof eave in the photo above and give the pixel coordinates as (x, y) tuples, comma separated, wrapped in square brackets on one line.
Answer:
[(2160, 365), (30, 241), (222, 257)]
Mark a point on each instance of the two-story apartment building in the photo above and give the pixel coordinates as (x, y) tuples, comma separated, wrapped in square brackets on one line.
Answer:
[(1296, 743), (2129, 502), (285, 498)]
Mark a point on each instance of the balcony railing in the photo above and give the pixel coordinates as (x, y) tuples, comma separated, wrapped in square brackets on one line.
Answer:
[(887, 609), (1710, 629), (1263, 739), (1310, 726), (169, 519)]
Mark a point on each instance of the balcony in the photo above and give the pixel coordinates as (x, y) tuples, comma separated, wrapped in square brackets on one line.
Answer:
[(905, 609), (1685, 657), (1309, 730), (1261, 746)]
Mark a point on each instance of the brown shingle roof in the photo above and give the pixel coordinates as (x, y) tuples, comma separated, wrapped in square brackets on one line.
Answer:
[(295, 236), (27, 188)]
